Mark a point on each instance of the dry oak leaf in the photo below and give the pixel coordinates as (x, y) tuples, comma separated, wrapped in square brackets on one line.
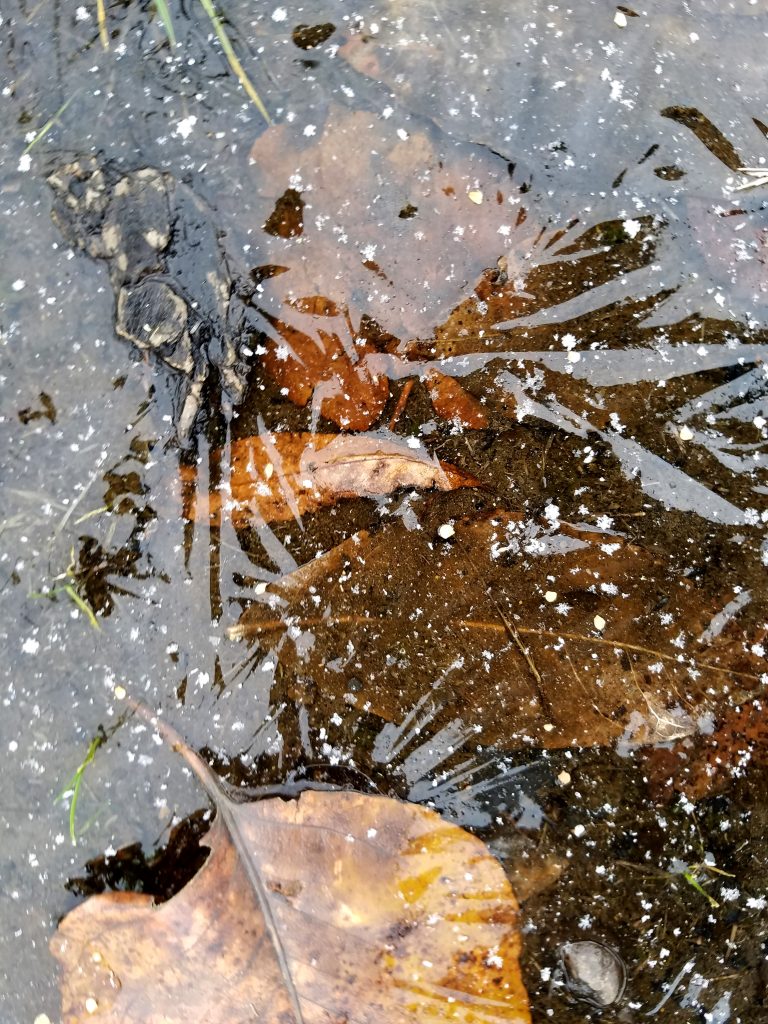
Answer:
[(533, 633), (332, 907), (314, 353), (282, 476)]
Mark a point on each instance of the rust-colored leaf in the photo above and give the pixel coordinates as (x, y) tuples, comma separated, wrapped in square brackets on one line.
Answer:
[(700, 767), (335, 906), (535, 633), (324, 359), (452, 402), (283, 476)]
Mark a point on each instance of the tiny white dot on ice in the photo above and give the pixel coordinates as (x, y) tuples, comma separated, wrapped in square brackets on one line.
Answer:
[(402, 134), (279, 14), (82, 14), (310, 130), (30, 645), (18, 284), (25, 162)]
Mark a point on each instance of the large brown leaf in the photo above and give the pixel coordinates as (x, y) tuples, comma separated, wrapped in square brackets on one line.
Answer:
[(536, 634), (282, 476), (332, 907)]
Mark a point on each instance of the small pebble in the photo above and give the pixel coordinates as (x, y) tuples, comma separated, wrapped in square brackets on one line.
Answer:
[(551, 596), (599, 622), (620, 19), (564, 778), (91, 1006), (593, 972), (446, 531), (685, 434), (475, 196), (120, 693)]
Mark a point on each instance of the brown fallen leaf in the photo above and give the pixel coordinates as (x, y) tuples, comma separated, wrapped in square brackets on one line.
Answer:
[(700, 767), (535, 634), (334, 906), (325, 359), (281, 476), (452, 402)]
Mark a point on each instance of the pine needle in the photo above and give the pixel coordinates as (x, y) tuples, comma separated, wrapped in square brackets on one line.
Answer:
[(101, 12), (234, 63)]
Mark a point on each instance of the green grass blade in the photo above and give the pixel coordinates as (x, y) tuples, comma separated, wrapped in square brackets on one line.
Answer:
[(50, 123), (234, 63), (84, 607), (694, 883), (165, 16), (76, 782)]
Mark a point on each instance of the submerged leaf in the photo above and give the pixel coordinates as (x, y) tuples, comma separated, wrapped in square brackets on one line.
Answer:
[(335, 906), (452, 402), (535, 634), (281, 476)]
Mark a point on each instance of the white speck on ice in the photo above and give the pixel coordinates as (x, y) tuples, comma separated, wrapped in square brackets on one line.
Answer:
[(82, 14), (310, 130), (25, 162), (185, 126), (18, 284), (620, 19), (685, 434), (279, 14), (30, 645), (402, 134), (13, 746)]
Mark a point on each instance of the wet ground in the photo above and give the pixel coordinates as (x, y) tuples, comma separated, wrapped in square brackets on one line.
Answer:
[(511, 239)]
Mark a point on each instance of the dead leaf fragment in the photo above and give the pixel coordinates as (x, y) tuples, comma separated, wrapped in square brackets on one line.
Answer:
[(335, 906), (283, 476), (451, 401)]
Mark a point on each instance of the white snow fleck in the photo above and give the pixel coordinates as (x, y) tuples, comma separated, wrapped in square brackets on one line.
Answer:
[(620, 19), (310, 130), (30, 645), (82, 14), (185, 126), (402, 134), (578, 831), (25, 162), (18, 284), (279, 14), (757, 902), (632, 227)]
